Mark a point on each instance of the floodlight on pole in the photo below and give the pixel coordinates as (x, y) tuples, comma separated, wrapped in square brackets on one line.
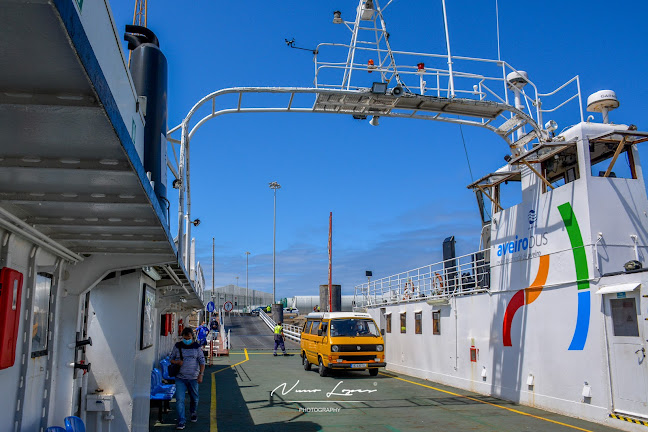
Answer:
[(274, 186), (247, 264)]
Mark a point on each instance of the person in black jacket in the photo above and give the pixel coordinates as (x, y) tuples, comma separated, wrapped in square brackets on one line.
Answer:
[(189, 356)]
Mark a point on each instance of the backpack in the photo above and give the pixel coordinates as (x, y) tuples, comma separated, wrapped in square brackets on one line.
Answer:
[(174, 369)]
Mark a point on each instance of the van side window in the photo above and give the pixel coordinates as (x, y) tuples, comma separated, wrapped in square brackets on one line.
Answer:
[(324, 328), (316, 325)]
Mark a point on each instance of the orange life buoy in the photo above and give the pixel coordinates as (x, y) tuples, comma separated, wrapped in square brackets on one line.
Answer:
[(437, 283), (409, 286)]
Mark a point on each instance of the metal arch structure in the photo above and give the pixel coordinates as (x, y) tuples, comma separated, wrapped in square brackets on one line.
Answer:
[(358, 103), (461, 90)]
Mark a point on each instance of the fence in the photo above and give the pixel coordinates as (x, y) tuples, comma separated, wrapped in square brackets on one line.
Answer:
[(290, 331), (462, 275)]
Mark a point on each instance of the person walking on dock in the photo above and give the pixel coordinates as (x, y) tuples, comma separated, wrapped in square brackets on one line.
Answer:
[(188, 354), (279, 339)]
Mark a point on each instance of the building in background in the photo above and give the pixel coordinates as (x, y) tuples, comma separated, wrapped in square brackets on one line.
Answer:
[(243, 299)]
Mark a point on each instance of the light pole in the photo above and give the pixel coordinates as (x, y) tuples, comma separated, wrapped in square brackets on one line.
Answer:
[(247, 264), (274, 186)]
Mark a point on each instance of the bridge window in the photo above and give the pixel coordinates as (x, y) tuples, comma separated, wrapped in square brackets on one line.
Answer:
[(561, 168), (507, 195), (501, 197), (418, 325), (40, 326), (403, 322), (388, 322), (436, 322), (610, 158)]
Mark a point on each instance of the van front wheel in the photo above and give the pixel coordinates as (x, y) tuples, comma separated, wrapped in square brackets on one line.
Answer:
[(373, 372), (323, 370), (305, 362)]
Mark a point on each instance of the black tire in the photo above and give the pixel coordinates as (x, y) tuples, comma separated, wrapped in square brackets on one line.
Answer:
[(305, 362), (323, 370), (373, 371)]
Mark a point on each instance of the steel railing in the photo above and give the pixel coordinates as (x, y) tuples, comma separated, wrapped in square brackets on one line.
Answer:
[(463, 275), (290, 331)]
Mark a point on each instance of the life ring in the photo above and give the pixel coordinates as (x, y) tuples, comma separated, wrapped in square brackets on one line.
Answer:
[(409, 286), (437, 283)]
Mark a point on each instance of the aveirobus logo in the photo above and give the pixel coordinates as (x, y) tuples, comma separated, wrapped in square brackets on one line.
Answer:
[(522, 244)]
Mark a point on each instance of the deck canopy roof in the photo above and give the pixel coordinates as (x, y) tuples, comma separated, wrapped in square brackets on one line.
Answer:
[(70, 172)]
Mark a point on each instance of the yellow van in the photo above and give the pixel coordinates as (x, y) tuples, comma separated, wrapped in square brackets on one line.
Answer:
[(342, 340)]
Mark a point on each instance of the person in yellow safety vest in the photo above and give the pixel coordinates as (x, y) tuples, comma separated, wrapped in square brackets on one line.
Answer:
[(279, 339), (318, 309), (268, 309)]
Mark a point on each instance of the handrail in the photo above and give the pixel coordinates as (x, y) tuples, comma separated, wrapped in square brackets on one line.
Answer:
[(291, 331), (466, 274)]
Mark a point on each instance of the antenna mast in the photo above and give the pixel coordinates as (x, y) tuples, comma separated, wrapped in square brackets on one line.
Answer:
[(369, 21), (140, 17)]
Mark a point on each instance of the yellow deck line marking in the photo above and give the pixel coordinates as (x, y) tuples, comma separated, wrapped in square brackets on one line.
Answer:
[(262, 353), (213, 424), (489, 403)]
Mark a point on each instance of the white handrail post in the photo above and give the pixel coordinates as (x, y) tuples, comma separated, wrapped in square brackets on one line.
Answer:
[(181, 170), (445, 21), (580, 101), (506, 98)]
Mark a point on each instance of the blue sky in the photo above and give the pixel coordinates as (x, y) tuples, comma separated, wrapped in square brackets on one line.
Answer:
[(396, 190)]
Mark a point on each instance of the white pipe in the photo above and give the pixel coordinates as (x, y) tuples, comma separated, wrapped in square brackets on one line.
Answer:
[(498, 30), (636, 251), (181, 171), (188, 189), (186, 252), (596, 255), (22, 228), (445, 21)]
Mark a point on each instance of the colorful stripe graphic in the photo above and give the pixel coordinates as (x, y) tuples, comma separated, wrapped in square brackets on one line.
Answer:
[(525, 296), (582, 276)]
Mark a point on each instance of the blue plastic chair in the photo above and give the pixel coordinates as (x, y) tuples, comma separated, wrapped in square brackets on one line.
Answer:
[(74, 424), (55, 429), (164, 365)]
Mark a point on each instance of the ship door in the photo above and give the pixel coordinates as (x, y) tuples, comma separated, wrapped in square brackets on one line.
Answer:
[(627, 348)]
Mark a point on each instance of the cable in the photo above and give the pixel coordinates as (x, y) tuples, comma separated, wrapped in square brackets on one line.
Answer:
[(498, 30), (466, 151)]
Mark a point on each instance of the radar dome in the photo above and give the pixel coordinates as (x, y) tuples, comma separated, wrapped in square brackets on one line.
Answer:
[(517, 79), (602, 101)]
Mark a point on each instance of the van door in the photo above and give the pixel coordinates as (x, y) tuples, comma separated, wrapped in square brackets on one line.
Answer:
[(316, 340), (627, 348)]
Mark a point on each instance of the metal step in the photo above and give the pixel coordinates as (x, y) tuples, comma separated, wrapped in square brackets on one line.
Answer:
[(526, 139), (510, 126)]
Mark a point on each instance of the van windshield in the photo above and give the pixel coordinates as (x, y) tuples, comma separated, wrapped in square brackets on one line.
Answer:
[(352, 327)]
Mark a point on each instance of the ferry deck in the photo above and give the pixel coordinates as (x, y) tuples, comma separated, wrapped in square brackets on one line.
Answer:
[(87, 256)]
